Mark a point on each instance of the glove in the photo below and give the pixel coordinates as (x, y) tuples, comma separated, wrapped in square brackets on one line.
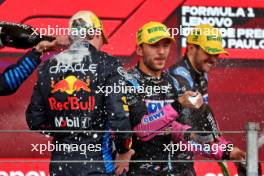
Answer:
[(20, 36), (203, 120), (152, 124)]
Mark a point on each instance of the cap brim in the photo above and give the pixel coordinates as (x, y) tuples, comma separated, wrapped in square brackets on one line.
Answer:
[(161, 37), (221, 51), (225, 52)]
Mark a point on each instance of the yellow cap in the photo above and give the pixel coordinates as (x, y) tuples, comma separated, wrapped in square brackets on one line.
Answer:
[(91, 21), (152, 32), (208, 38)]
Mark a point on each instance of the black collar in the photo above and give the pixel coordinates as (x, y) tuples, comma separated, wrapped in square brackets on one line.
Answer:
[(91, 47), (144, 76), (190, 67)]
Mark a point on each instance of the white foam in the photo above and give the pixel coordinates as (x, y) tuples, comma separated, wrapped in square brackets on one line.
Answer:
[(74, 55), (193, 100)]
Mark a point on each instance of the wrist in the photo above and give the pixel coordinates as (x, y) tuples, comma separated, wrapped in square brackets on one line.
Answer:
[(123, 146), (36, 52), (127, 152), (38, 49)]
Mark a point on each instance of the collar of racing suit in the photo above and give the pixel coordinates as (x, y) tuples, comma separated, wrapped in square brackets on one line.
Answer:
[(195, 73), (91, 47), (190, 67), (143, 77)]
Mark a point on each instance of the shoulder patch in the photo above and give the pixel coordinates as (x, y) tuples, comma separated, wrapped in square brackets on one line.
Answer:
[(183, 72), (128, 77), (176, 84)]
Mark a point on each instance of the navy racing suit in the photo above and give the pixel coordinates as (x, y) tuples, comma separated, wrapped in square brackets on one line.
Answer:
[(186, 78), (154, 109), (70, 94)]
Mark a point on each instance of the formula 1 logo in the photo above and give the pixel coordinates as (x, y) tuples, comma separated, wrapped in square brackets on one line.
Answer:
[(121, 19)]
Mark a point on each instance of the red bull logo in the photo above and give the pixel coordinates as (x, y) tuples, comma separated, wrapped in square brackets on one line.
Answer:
[(72, 103), (70, 84)]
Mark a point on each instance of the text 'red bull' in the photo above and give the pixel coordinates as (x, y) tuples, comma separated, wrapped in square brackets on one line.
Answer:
[(72, 103)]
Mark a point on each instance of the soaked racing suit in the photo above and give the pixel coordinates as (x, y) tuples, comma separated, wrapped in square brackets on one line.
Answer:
[(154, 107), (70, 94), (13, 76), (186, 78)]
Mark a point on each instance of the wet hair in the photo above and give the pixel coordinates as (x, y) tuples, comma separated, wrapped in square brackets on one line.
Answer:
[(81, 24)]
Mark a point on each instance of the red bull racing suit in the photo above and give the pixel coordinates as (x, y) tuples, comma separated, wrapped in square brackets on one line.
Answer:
[(76, 96)]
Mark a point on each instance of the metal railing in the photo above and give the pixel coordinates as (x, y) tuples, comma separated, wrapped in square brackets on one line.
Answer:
[(252, 159)]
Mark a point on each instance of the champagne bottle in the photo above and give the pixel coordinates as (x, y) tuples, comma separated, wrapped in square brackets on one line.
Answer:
[(20, 35)]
